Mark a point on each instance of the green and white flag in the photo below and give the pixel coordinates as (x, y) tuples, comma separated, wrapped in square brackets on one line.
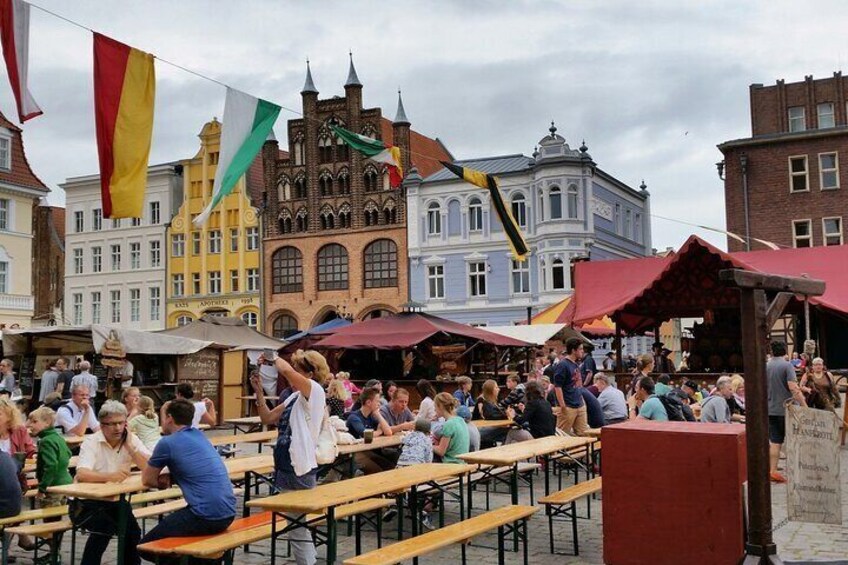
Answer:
[(375, 150), (247, 123)]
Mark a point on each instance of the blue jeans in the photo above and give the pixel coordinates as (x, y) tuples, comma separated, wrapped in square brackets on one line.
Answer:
[(181, 523)]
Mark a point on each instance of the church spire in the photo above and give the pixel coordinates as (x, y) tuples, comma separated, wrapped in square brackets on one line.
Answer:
[(309, 85), (400, 116), (352, 78)]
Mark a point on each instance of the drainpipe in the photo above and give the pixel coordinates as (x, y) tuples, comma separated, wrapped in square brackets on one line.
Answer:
[(743, 162)]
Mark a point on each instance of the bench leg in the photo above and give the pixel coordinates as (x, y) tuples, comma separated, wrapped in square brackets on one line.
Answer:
[(574, 526), (4, 546), (532, 494), (331, 535), (358, 520), (514, 488), (501, 560), (526, 541), (73, 544), (380, 529), (273, 538), (461, 499), (441, 502), (550, 526), (470, 495), (463, 554)]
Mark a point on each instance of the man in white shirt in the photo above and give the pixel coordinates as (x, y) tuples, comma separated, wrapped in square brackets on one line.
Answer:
[(77, 416), (85, 378), (107, 457), (612, 401), (204, 410)]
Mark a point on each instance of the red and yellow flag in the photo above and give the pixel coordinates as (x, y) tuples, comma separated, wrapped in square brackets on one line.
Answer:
[(124, 91)]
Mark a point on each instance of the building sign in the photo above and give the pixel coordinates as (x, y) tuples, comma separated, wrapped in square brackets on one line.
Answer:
[(812, 462)]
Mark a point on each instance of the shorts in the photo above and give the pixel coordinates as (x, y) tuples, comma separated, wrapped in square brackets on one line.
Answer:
[(777, 429)]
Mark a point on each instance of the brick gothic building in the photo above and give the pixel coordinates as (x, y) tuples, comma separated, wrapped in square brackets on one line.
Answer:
[(334, 231), (784, 184), (48, 263)]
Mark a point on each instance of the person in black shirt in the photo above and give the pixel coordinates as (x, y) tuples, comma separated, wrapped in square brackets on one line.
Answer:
[(537, 416), (63, 383)]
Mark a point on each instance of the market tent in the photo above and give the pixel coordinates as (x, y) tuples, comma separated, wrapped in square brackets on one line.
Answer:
[(231, 332), (71, 340), (320, 329), (538, 334), (558, 314), (407, 329), (641, 293)]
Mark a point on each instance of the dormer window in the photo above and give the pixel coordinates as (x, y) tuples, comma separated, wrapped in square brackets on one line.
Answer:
[(5, 152)]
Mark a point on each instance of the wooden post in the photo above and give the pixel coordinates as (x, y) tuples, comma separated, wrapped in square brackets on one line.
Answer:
[(619, 360)]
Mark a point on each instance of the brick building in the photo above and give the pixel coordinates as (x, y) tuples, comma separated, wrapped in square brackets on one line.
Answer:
[(784, 184), (334, 232), (48, 263)]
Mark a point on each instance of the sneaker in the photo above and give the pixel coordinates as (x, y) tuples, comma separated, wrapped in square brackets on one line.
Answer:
[(777, 477), (389, 515), (425, 520)]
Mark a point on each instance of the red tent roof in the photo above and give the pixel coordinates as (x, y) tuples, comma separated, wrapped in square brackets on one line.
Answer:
[(405, 330), (644, 292)]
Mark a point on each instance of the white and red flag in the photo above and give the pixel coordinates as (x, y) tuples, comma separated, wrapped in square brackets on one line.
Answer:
[(14, 35)]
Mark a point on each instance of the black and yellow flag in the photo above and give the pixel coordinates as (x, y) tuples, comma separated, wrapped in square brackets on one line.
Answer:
[(490, 183)]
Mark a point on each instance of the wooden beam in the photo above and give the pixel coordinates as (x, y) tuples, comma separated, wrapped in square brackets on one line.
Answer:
[(776, 308), (763, 281)]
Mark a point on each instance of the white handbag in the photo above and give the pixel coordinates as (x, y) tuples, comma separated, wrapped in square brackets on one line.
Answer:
[(326, 449)]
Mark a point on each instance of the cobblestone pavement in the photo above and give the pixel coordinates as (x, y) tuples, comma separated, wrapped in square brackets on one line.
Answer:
[(796, 542)]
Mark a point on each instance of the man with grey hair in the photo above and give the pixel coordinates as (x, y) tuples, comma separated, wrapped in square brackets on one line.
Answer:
[(77, 416), (85, 378), (7, 377), (714, 408), (611, 400), (107, 456)]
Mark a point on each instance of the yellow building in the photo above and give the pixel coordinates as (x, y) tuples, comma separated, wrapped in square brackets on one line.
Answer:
[(213, 269)]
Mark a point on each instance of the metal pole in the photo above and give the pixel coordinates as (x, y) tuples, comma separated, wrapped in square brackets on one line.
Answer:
[(743, 161)]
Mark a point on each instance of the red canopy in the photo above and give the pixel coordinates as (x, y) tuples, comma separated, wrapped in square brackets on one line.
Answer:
[(641, 293), (405, 330)]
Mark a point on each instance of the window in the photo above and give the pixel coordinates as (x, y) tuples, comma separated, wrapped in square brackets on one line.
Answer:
[(234, 281), (798, 177), (116, 224), (251, 319), (555, 196), (477, 278), (802, 233), (286, 270), (178, 285), (797, 118), (519, 210), (370, 178), (178, 245), (116, 257), (77, 312), (436, 281), (283, 326), (115, 305), (434, 219), (135, 255), (195, 283), (97, 219), (617, 219), (79, 222), (5, 153), (541, 205), (342, 153), (825, 115), (628, 223), (154, 213), (558, 275), (4, 214), (195, 243), (96, 260), (77, 261), (234, 239), (155, 253), (136, 222), (253, 280), (214, 241), (214, 282), (381, 264), (135, 304), (571, 202), (95, 307), (183, 321), (325, 150), (520, 277), (475, 215), (300, 187), (155, 303), (4, 277), (637, 228), (828, 170), (302, 220), (325, 185), (332, 267), (252, 235), (832, 231)]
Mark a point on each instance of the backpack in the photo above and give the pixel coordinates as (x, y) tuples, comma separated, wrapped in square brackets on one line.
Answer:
[(673, 407)]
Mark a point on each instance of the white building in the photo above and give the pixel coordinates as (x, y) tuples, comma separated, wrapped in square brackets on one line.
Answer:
[(115, 269)]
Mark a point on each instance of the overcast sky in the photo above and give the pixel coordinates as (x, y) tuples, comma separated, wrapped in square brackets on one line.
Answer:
[(651, 86)]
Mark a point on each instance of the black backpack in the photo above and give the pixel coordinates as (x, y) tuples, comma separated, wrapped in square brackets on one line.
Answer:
[(673, 407)]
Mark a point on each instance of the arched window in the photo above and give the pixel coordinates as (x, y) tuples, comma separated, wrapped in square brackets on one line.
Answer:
[(284, 190), (344, 215), (387, 180), (381, 264), (301, 222), (286, 270), (571, 201), (541, 206), (325, 184), (370, 180), (325, 150), (368, 131), (300, 187), (434, 219), (285, 221), (519, 209), (558, 275), (343, 182), (475, 215), (342, 152), (555, 196), (328, 219), (283, 326), (251, 319), (183, 321), (390, 215), (297, 148), (332, 267), (372, 214)]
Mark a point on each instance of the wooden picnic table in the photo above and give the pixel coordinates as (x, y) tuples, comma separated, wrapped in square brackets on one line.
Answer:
[(74, 441), (245, 425), (481, 424), (324, 498), (593, 432), (254, 437), (379, 442)]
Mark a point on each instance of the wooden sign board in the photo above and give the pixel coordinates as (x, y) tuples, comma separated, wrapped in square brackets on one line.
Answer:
[(812, 462), (202, 370), (450, 358)]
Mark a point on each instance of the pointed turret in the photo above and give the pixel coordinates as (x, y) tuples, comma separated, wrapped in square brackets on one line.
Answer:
[(400, 116), (352, 78), (309, 85)]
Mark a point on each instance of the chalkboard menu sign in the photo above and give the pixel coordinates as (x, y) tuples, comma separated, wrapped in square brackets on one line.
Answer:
[(202, 371), (101, 372), (26, 373)]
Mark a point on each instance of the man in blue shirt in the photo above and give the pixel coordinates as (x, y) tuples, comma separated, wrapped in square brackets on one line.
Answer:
[(196, 467), (368, 417), (567, 379), (649, 406)]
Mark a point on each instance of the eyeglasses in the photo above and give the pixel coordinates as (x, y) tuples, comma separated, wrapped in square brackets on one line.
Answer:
[(113, 424)]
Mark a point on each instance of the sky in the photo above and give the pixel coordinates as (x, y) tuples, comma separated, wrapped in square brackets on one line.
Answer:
[(651, 86)]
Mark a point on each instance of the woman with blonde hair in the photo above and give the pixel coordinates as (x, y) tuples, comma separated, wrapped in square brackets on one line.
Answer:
[(146, 424), (351, 388), (130, 397), (736, 403), (453, 438), (337, 395), (298, 420), (487, 409)]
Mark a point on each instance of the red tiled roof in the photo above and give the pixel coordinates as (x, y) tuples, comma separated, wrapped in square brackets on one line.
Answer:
[(58, 221), (21, 173), (255, 178), (426, 152)]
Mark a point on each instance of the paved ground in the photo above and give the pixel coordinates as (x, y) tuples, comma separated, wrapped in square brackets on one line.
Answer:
[(801, 543)]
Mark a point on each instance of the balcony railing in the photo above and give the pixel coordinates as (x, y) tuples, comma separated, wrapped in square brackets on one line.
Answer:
[(16, 302)]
